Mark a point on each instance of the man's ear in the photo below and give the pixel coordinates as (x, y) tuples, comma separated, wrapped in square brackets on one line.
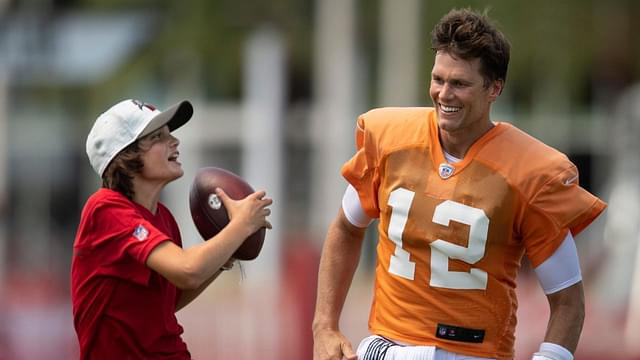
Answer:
[(495, 89)]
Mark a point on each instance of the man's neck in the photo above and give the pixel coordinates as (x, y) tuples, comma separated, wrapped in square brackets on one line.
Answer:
[(457, 143)]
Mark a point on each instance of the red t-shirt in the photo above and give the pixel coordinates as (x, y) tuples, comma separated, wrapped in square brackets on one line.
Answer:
[(121, 308)]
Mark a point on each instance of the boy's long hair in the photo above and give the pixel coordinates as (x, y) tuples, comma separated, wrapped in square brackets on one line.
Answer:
[(119, 173)]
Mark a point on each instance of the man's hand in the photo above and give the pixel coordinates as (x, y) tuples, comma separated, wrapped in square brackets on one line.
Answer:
[(332, 345)]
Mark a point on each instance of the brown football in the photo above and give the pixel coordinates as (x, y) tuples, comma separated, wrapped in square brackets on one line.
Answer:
[(208, 212)]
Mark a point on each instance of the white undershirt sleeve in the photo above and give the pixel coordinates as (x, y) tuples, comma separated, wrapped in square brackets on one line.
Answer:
[(562, 269), (551, 351), (352, 208)]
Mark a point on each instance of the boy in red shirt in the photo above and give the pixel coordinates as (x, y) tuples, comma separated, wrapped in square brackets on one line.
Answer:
[(129, 273)]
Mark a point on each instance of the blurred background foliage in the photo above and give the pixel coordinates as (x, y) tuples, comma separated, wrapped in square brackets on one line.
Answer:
[(553, 41), (573, 42)]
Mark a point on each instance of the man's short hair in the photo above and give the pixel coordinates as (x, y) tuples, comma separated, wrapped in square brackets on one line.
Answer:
[(466, 34)]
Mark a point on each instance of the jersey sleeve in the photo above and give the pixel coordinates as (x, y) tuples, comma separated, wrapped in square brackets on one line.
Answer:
[(126, 242), (362, 172), (559, 206)]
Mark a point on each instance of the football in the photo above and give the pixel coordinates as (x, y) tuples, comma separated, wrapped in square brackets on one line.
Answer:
[(208, 212)]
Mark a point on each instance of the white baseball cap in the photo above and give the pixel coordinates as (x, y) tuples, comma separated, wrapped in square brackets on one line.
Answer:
[(124, 123)]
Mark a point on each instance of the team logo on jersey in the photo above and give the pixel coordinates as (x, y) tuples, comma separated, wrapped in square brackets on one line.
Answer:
[(141, 233), (446, 170)]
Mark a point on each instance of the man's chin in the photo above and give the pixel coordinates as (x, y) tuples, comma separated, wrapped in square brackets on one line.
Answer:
[(448, 124)]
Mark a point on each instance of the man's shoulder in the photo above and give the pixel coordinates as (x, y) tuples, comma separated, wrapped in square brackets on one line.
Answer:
[(397, 114), (393, 124), (525, 160), (522, 145)]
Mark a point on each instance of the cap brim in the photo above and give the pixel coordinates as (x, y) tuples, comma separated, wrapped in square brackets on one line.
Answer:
[(175, 116)]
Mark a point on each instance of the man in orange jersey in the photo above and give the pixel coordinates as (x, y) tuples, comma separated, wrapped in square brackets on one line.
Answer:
[(460, 199)]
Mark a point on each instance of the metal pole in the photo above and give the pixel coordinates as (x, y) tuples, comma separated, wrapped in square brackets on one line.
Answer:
[(262, 139), (399, 79), (334, 108), (4, 174)]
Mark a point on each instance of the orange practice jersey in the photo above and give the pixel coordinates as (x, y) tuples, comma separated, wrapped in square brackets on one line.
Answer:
[(452, 235)]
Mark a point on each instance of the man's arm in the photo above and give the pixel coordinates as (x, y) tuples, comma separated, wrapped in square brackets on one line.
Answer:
[(338, 263), (567, 317), (561, 280)]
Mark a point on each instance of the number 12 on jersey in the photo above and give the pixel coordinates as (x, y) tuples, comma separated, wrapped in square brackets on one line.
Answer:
[(401, 265)]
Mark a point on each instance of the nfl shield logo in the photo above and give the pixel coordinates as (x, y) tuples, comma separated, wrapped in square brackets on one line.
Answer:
[(446, 170), (141, 233)]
